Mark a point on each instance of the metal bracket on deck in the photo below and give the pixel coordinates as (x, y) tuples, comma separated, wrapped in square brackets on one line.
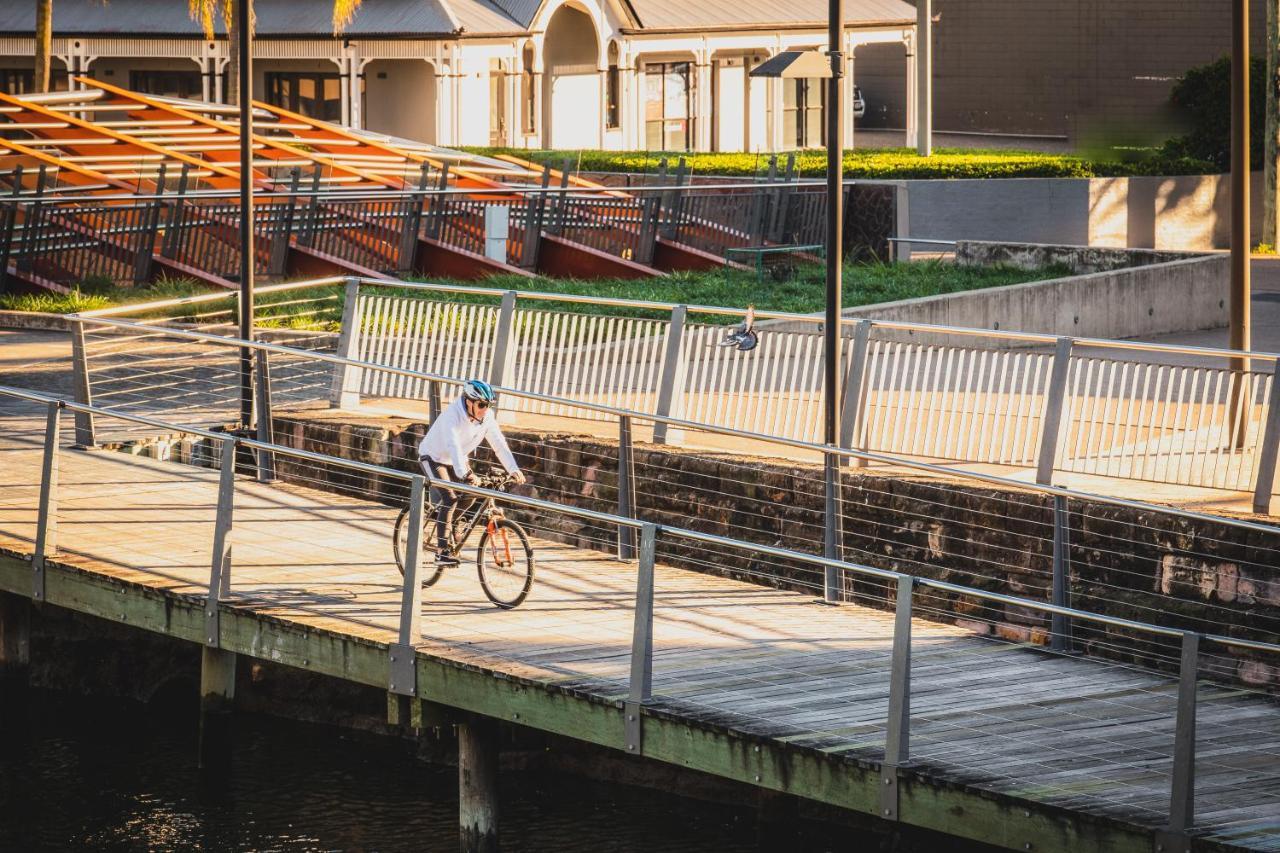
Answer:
[(889, 779), (1170, 841), (212, 624), (632, 728), (403, 670)]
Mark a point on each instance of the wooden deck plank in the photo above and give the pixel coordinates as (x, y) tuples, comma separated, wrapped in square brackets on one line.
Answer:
[(1085, 734)]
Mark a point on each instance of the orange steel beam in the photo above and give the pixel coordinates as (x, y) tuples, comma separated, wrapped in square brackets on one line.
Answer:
[(222, 178), (273, 146), (320, 127), (76, 174), (556, 174)]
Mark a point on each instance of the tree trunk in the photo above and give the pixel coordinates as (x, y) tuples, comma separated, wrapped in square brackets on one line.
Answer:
[(231, 94), (1271, 136), (44, 43)]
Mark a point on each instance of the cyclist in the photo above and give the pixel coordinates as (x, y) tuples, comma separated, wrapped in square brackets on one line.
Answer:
[(449, 442)]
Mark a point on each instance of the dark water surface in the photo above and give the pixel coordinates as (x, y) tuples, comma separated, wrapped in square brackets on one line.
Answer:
[(89, 776)]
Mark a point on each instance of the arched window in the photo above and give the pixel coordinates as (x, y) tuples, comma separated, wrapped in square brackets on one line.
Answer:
[(613, 91), (530, 109)]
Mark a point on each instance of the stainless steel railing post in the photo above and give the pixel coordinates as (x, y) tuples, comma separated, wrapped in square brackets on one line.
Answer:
[(345, 392), (626, 489), (854, 403), (47, 513), (641, 684), (671, 389), (220, 563), (1182, 789), (1055, 403), (897, 738), (81, 390), (1265, 478), (402, 668)]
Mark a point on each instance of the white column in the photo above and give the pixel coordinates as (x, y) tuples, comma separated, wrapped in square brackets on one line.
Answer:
[(702, 134), (344, 80), (912, 91), (512, 90), (850, 83), (602, 99), (640, 139), (204, 64), (219, 96), (775, 126), (924, 76), (357, 101)]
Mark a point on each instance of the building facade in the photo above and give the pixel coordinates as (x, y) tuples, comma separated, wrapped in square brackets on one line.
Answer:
[(576, 74)]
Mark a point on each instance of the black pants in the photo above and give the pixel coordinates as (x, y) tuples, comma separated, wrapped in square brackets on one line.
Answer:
[(445, 499)]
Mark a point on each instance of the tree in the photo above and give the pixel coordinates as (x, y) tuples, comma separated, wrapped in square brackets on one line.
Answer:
[(44, 43), (207, 13)]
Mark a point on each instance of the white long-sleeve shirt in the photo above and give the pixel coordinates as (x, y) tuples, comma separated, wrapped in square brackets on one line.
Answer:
[(454, 436)]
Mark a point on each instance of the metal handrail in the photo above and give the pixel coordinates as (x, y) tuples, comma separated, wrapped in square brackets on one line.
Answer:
[(678, 532), (299, 453), (697, 426), (763, 314), (340, 195)]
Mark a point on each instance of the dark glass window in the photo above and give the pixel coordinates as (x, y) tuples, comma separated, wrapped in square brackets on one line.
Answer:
[(314, 94), (668, 106), (169, 84), (613, 91)]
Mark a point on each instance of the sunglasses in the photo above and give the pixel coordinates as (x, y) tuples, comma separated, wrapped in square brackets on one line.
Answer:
[(480, 404)]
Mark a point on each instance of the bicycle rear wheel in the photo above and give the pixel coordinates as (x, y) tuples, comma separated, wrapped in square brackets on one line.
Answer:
[(504, 561), (428, 569)]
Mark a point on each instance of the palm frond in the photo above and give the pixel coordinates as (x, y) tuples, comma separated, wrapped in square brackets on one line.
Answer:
[(343, 12)]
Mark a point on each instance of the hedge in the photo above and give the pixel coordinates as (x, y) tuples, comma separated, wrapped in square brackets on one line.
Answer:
[(868, 164)]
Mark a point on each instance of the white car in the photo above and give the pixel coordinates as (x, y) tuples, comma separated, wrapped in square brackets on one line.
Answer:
[(859, 105)]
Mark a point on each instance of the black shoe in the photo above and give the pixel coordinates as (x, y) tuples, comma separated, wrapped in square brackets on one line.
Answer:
[(444, 558)]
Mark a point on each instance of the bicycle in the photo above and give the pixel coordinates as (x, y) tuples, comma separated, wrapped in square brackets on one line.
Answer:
[(506, 576)]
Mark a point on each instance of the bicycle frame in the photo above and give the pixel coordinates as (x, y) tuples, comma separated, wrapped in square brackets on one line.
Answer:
[(471, 515)]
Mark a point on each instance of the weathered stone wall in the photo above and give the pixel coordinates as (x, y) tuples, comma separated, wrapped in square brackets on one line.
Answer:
[(1079, 259), (1143, 566)]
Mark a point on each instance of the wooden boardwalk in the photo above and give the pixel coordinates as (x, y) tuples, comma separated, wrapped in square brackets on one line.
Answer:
[(1022, 732)]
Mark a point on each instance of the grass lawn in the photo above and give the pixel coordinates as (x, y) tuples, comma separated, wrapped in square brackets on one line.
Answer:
[(864, 284)]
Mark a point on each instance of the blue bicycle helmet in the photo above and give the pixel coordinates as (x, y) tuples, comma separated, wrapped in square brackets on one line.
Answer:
[(478, 389)]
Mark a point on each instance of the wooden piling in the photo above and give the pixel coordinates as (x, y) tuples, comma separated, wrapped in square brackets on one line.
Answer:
[(15, 659), (217, 696), (478, 785)]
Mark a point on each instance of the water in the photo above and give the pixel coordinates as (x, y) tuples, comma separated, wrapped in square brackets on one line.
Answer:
[(93, 775)]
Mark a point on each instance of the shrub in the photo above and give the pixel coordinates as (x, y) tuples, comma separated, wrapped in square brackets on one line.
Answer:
[(1203, 96), (891, 163)]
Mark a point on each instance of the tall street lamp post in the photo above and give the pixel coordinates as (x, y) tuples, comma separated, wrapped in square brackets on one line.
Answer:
[(810, 64), (244, 17)]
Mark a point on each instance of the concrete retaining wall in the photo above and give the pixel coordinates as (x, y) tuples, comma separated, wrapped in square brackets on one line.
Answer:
[(1160, 298), (1187, 212)]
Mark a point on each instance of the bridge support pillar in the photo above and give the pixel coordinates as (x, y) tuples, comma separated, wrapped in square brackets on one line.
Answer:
[(776, 819), (217, 695), (478, 785), (15, 659)]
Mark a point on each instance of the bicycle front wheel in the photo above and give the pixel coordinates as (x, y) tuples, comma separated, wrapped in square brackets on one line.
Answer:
[(428, 569), (504, 561)]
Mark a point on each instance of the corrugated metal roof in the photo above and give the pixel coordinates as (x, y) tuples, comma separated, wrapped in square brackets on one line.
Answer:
[(417, 18), (521, 10), (405, 18), (706, 14), (481, 16)]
